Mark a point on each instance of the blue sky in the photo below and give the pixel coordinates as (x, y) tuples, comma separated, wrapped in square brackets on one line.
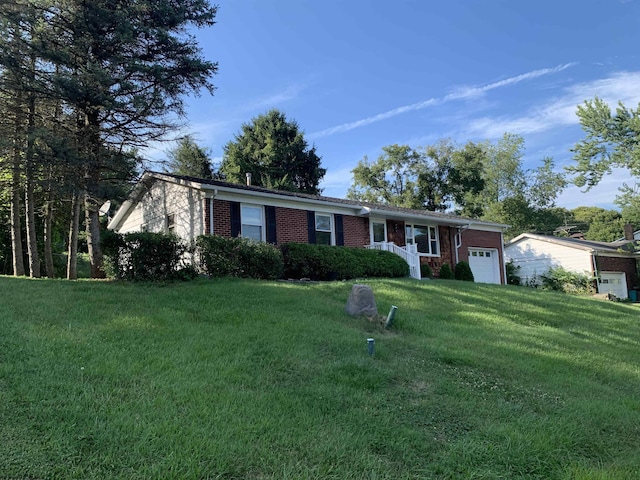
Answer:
[(358, 75)]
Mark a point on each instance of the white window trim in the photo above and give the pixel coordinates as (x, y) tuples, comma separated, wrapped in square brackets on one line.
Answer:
[(377, 220), (262, 225), (170, 227), (437, 234), (332, 230)]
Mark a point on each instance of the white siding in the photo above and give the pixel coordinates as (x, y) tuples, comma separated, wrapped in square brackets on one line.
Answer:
[(535, 257), (186, 204)]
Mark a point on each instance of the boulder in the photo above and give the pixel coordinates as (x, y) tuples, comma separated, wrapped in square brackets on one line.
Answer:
[(361, 301)]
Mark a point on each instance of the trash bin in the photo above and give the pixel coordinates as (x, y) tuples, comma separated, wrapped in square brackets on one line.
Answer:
[(633, 295)]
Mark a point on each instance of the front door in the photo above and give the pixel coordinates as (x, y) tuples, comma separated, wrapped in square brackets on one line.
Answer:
[(395, 232)]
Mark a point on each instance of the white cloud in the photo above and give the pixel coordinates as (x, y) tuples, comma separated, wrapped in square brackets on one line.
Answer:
[(270, 101), (462, 93), (561, 111)]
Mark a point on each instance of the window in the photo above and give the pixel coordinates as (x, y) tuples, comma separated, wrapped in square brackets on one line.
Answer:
[(170, 222), (251, 217), (378, 232), (425, 237), (324, 229)]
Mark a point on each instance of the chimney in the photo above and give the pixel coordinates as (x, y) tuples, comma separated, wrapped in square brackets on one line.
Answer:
[(248, 179), (628, 232)]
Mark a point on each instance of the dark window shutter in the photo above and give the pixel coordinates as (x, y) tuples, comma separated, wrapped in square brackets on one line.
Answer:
[(270, 213), (311, 226), (236, 222), (339, 230)]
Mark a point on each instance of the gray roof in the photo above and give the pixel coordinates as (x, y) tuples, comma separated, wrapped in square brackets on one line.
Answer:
[(339, 201), (617, 247)]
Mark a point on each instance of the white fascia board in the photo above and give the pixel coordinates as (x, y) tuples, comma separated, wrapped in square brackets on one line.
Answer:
[(277, 200), (487, 227), (617, 254), (120, 215)]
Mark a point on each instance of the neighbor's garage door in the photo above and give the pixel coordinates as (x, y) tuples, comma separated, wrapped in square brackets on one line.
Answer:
[(613, 282), (485, 265)]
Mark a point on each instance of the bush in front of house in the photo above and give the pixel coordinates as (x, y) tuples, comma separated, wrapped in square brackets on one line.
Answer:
[(425, 270), (323, 262), (445, 272), (145, 256), (463, 272), (512, 273), (238, 257), (560, 280)]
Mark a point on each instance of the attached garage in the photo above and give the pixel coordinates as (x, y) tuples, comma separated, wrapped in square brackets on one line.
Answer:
[(613, 282), (485, 265)]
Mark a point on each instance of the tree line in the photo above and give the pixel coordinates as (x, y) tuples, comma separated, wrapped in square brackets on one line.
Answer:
[(83, 85)]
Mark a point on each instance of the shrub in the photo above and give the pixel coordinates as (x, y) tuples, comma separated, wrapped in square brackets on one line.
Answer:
[(425, 270), (512, 273), (463, 272), (561, 280), (322, 262), (144, 256), (445, 272), (238, 257)]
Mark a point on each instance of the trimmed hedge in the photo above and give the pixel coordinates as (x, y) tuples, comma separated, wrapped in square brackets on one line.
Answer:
[(238, 257), (445, 272), (146, 256), (323, 262), (425, 270), (463, 272)]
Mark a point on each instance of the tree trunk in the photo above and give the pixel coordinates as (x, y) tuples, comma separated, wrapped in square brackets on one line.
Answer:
[(29, 200), (92, 219), (16, 227), (48, 231), (93, 143), (72, 259)]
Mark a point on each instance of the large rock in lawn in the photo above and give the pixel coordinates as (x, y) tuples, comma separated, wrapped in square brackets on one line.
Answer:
[(361, 301)]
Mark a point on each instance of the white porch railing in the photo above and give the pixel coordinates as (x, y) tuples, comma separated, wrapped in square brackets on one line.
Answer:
[(409, 254)]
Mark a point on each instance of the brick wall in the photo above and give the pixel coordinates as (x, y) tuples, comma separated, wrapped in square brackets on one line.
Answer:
[(221, 218), (356, 231), (291, 225), (619, 264)]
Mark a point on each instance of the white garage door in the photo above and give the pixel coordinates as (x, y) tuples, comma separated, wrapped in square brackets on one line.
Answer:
[(613, 282), (485, 265)]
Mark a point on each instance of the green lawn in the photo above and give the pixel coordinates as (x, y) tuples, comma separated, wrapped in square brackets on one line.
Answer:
[(237, 379)]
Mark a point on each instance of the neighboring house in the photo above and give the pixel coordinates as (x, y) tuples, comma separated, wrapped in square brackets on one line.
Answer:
[(190, 207), (613, 263)]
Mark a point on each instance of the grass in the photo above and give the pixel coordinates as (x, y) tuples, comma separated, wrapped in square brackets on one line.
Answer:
[(234, 379)]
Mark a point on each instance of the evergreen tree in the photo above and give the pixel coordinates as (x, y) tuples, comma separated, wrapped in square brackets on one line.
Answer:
[(190, 159), (273, 150)]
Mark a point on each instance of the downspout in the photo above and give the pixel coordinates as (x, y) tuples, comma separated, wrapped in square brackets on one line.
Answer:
[(455, 244)]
